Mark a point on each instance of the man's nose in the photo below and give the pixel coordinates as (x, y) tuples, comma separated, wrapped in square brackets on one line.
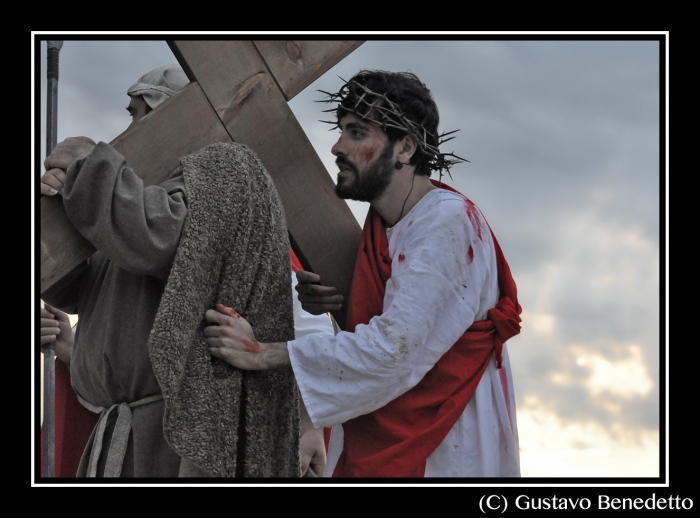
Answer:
[(338, 148)]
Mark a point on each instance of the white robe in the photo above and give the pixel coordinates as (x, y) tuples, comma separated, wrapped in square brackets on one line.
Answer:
[(306, 324), (443, 278)]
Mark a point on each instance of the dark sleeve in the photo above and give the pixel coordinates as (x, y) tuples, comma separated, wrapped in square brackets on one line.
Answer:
[(136, 227)]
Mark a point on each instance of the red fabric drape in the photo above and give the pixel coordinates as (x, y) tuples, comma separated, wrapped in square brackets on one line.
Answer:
[(396, 440), (296, 266), (296, 263), (74, 424)]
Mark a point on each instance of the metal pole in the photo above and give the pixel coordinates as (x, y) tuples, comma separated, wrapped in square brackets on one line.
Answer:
[(49, 350), (52, 50)]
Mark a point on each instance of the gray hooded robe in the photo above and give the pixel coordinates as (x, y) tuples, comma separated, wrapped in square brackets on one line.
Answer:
[(141, 300)]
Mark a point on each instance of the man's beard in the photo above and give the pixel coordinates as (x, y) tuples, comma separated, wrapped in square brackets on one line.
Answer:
[(370, 183)]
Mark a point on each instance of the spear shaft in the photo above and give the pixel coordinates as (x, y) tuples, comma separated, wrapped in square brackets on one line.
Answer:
[(49, 350)]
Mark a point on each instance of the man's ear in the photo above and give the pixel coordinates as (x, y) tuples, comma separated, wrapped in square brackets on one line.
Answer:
[(407, 148)]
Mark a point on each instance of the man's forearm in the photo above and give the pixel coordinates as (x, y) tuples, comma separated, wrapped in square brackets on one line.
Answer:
[(64, 356), (275, 355)]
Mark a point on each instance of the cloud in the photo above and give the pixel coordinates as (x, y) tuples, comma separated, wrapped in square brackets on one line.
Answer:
[(556, 448), (563, 139)]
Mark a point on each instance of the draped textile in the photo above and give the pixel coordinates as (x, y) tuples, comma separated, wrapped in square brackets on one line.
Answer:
[(234, 250), (396, 440), (73, 425)]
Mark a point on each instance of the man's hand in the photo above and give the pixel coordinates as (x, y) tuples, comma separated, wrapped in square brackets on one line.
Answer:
[(55, 326), (52, 182), (314, 298), (64, 154), (231, 338), (312, 451)]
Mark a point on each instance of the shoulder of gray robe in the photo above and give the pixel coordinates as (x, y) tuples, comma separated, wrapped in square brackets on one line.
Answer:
[(234, 249)]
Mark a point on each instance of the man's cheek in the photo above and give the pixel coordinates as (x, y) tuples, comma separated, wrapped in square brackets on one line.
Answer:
[(367, 153)]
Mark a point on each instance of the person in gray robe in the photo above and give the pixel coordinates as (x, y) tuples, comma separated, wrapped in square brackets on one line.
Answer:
[(213, 232)]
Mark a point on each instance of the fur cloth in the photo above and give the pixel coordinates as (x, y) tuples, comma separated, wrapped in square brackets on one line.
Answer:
[(234, 249)]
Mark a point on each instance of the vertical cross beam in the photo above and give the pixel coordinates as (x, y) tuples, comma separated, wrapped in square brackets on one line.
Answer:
[(238, 92)]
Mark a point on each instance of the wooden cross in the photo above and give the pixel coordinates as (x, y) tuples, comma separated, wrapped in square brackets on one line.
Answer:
[(238, 92)]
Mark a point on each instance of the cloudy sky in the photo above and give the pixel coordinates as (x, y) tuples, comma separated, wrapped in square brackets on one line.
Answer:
[(563, 139)]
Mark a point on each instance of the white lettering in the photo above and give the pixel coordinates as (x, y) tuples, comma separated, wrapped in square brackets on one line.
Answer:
[(526, 505), (574, 503), (605, 502), (628, 503), (651, 505), (488, 502)]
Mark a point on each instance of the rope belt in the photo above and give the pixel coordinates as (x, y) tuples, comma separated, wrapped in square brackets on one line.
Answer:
[(120, 437)]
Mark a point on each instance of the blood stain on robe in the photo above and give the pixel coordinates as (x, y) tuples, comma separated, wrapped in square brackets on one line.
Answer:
[(402, 258), (472, 214), (470, 255)]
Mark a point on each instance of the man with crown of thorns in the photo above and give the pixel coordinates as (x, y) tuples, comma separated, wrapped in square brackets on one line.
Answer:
[(419, 384)]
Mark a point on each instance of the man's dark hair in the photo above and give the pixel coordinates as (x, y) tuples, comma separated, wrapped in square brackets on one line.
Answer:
[(412, 97), (401, 104)]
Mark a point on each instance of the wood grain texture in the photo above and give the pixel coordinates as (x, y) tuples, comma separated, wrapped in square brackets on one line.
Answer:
[(181, 125), (236, 95), (62, 247), (297, 64), (255, 112)]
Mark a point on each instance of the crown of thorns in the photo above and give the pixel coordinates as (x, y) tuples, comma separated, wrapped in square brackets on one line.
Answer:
[(356, 98)]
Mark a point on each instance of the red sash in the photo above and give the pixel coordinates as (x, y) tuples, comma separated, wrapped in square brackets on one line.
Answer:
[(396, 440)]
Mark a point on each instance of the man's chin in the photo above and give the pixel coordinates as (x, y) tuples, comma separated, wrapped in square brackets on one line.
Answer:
[(344, 191), (345, 188)]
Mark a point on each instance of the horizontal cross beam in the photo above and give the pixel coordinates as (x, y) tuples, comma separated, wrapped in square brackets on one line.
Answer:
[(239, 92)]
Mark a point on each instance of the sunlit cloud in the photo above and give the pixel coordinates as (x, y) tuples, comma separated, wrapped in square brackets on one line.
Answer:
[(626, 378), (541, 323), (550, 447)]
